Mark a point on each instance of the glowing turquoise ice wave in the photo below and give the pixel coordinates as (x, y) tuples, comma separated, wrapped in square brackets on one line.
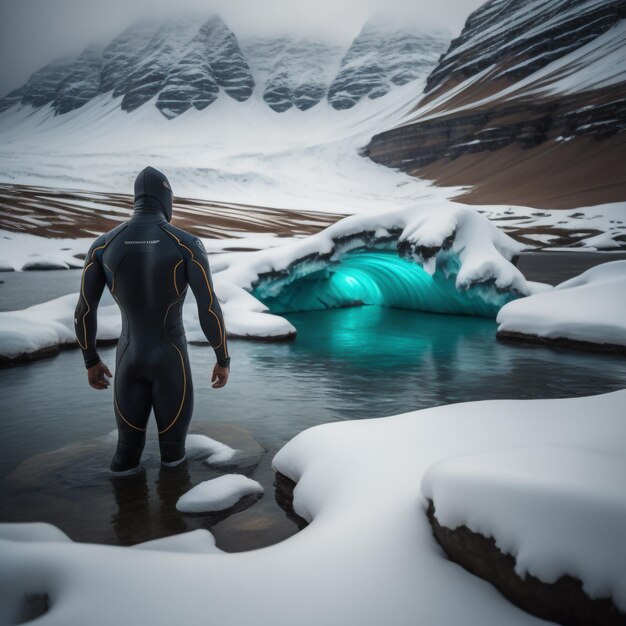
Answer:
[(382, 278)]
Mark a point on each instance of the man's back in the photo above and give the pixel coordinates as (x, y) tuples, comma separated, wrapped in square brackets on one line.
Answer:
[(147, 264)]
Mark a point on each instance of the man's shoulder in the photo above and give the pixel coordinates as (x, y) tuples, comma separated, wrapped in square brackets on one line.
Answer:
[(191, 242), (104, 239)]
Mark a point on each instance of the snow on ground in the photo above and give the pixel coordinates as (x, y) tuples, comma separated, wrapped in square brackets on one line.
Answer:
[(590, 307), (217, 494), (583, 224), (468, 252), (199, 541), (214, 452), (556, 509), (367, 558)]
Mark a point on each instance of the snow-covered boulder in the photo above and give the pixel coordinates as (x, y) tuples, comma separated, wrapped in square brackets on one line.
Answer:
[(218, 494), (588, 311), (212, 451), (556, 516)]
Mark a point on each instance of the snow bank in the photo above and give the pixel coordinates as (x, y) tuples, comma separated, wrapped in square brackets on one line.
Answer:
[(51, 324), (554, 509), (32, 531), (217, 494), (199, 541), (367, 558), (449, 259), (214, 452), (589, 308)]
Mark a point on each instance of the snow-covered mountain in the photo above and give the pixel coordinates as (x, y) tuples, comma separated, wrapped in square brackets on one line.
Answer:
[(185, 63), (527, 105)]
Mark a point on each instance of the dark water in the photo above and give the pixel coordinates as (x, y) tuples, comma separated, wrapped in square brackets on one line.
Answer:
[(345, 364)]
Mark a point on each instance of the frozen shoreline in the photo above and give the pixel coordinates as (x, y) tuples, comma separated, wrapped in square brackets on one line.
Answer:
[(360, 512)]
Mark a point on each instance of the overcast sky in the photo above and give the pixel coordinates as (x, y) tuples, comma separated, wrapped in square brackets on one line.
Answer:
[(33, 32)]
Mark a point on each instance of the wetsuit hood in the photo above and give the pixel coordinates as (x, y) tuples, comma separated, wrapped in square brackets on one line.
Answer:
[(153, 191)]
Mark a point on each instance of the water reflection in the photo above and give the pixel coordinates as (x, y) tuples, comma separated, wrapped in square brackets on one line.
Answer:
[(345, 364)]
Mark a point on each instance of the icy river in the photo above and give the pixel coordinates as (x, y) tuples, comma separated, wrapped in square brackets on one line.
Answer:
[(345, 364)]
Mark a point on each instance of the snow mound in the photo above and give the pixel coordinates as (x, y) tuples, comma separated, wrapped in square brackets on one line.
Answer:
[(554, 509), (589, 307), (201, 446), (32, 532), (217, 494), (199, 541), (51, 324)]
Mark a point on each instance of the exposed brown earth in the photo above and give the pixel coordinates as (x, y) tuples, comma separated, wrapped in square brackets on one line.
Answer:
[(499, 117), (51, 212), (541, 152)]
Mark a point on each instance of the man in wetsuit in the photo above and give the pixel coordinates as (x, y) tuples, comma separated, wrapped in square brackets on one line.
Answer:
[(147, 264)]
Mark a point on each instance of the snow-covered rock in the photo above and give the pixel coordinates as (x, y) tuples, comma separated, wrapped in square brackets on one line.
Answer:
[(556, 510), (218, 494), (358, 483), (585, 311), (214, 452)]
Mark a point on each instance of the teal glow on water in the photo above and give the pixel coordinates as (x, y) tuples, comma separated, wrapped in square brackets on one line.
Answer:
[(381, 278), (352, 363), (349, 363)]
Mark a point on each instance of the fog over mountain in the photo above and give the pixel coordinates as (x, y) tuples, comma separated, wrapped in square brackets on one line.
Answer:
[(32, 32)]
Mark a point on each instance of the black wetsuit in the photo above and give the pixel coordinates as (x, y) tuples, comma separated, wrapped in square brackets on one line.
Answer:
[(147, 264)]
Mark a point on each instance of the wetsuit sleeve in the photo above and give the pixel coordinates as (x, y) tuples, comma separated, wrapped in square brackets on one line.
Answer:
[(209, 310), (85, 317)]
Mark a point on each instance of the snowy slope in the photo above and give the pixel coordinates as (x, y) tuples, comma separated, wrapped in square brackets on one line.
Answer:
[(527, 106), (186, 62), (291, 72)]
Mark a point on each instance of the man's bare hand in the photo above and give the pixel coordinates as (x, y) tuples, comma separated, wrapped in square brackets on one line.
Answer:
[(96, 375), (220, 376)]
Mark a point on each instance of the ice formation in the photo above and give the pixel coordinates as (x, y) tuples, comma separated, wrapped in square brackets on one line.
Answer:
[(443, 258)]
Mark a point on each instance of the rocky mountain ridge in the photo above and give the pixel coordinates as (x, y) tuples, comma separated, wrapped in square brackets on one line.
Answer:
[(185, 63), (527, 106)]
